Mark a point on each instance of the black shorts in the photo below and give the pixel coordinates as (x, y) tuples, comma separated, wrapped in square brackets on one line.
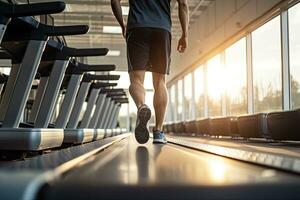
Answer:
[(149, 49)]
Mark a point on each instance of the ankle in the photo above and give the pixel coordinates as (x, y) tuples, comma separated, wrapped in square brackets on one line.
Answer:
[(157, 130)]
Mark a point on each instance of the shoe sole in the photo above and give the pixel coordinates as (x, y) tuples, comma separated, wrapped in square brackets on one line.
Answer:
[(141, 131), (159, 141)]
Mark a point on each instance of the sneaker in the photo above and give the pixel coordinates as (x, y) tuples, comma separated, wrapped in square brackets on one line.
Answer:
[(141, 130), (159, 137)]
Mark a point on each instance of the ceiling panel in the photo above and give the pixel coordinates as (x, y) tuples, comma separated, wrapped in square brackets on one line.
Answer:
[(97, 13)]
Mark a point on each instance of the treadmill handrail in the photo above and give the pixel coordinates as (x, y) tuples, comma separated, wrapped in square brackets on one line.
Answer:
[(74, 52), (116, 94), (96, 68), (119, 98), (64, 30), (103, 85), (21, 10), (115, 90), (76, 67), (91, 77)]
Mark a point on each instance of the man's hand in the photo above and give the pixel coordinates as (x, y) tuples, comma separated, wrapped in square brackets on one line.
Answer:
[(182, 44), (183, 11)]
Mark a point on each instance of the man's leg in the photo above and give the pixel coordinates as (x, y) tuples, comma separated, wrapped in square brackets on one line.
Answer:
[(160, 99), (137, 92), (136, 88)]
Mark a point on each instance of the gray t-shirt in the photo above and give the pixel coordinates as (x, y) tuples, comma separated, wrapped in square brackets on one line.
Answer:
[(150, 14)]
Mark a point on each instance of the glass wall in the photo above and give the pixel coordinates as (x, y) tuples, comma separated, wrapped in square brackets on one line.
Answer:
[(179, 101), (266, 51), (224, 79), (199, 91), (188, 96), (236, 78), (294, 30), (215, 85)]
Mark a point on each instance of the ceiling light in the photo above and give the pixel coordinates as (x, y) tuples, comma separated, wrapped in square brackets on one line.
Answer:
[(113, 53), (125, 10), (112, 29)]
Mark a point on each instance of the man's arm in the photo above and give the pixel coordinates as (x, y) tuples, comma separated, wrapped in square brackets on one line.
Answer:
[(183, 11), (117, 10)]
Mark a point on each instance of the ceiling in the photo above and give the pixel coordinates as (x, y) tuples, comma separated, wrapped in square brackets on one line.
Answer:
[(97, 13)]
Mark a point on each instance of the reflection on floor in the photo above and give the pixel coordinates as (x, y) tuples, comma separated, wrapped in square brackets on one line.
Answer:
[(128, 163)]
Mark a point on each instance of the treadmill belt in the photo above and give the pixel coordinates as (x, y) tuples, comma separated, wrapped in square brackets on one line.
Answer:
[(128, 170)]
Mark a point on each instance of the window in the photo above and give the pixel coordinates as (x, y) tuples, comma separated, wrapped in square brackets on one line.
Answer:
[(236, 78), (294, 31), (215, 85), (199, 91), (267, 67), (188, 96), (179, 101)]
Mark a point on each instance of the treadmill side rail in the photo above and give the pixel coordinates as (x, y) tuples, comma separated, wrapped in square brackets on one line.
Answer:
[(35, 139), (78, 136)]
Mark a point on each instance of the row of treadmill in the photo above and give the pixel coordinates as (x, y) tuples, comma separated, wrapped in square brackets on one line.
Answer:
[(282, 126), (39, 54)]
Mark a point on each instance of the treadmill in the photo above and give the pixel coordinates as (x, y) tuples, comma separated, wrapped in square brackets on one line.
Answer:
[(108, 105), (96, 103), (55, 64), (26, 51), (101, 113), (70, 115), (8, 11), (111, 109), (92, 100), (115, 114)]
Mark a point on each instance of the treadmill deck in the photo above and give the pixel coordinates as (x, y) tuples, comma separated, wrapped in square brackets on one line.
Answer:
[(128, 170)]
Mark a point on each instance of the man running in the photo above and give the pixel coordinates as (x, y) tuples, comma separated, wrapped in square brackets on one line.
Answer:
[(148, 37)]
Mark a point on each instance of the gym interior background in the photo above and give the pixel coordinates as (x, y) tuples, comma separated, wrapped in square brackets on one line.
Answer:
[(232, 120), (253, 44)]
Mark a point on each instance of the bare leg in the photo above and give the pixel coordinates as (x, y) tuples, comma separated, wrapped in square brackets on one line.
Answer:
[(136, 88), (160, 100)]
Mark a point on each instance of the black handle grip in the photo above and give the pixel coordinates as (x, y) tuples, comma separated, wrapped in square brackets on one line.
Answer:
[(73, 52), (90, 77), (112, 90), (119, 98), (97, 68), (22, 10), (116, 94), (103, 85), (65, 30)]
